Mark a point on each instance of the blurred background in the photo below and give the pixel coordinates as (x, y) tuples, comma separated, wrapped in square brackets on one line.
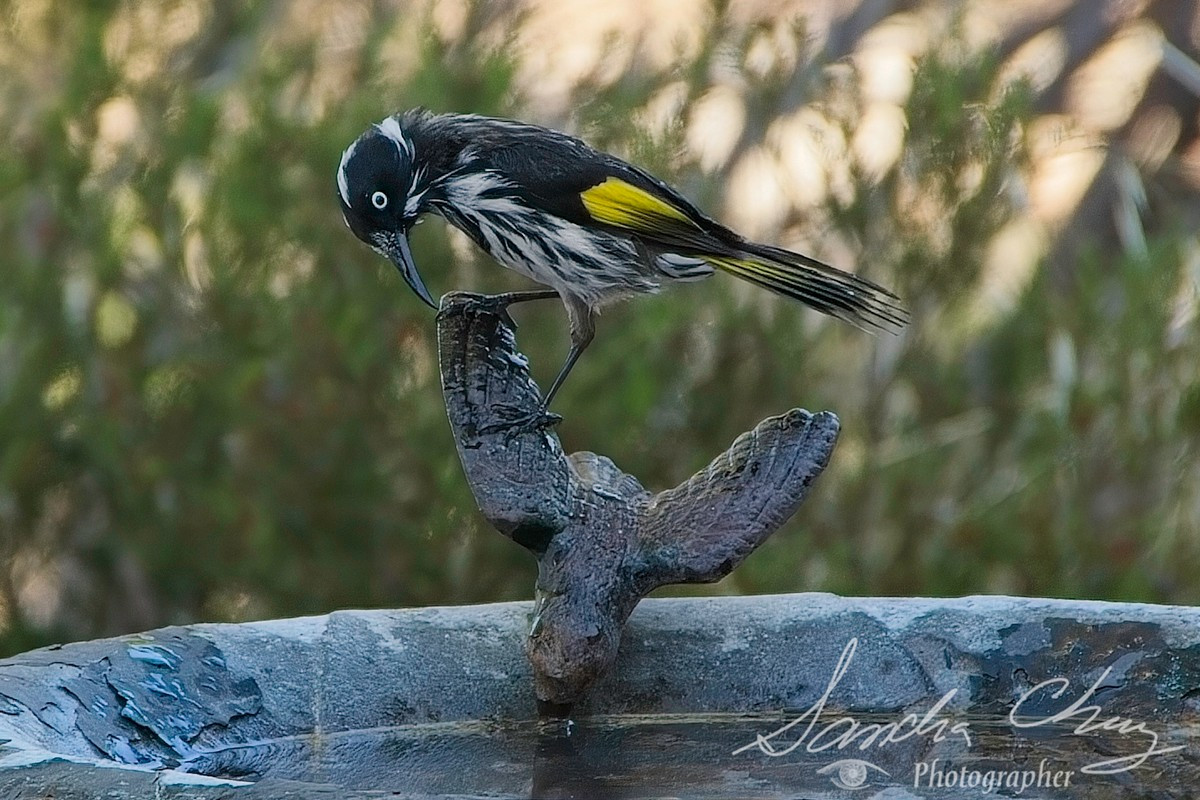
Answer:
[(215, 404)]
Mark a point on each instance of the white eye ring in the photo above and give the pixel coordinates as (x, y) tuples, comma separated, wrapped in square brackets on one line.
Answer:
[(379, 200)]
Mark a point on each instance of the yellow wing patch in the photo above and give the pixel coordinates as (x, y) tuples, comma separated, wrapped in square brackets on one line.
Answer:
[(616, 202)]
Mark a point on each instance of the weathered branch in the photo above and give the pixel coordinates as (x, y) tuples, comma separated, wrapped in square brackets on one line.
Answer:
[(603, 541)]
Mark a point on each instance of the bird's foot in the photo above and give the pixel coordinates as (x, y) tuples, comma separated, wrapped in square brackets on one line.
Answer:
[(516, 421), (498, 303)]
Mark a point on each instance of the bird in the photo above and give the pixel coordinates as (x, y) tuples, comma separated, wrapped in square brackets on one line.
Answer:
[(588, 225)]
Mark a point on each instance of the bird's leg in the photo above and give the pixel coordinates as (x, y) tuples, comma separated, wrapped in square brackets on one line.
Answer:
[(583, 330)]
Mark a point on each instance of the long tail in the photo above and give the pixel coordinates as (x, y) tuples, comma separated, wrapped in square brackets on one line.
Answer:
[(827, 289)]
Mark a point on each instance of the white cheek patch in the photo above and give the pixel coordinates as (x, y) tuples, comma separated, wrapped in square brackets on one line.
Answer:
[(415, 196), (414, 202)]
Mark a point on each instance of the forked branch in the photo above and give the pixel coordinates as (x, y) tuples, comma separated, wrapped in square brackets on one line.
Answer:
[(603, 541)]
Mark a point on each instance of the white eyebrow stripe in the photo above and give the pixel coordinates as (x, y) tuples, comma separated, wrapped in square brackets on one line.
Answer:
[(390, 128), (343, 186)]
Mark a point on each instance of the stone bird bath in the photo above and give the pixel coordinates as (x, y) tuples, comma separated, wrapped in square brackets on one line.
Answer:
[(439, 702), (803, 695)]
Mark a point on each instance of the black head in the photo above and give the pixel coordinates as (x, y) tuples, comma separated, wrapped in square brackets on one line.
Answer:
[(378, 188)]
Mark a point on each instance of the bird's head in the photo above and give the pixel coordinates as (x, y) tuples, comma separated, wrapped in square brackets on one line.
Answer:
[(379, 186)]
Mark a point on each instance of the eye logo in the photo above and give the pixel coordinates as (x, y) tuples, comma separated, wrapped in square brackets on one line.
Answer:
[(849, 773)]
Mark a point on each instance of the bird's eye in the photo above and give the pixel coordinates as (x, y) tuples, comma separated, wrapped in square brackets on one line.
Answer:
[(379, 200)]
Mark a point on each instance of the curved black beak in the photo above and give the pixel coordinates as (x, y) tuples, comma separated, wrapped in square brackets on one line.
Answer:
[(396, 248)]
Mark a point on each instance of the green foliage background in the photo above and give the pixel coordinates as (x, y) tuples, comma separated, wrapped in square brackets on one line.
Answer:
[(215, 404)]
